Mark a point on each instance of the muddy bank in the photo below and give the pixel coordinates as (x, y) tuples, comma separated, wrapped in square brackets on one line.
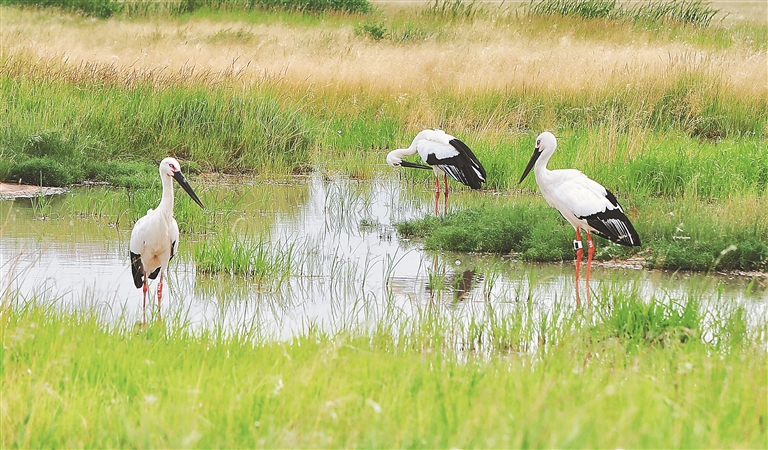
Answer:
[(10, 191)]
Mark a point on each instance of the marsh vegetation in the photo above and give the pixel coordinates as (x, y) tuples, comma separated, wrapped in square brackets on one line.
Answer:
[(316, 302)]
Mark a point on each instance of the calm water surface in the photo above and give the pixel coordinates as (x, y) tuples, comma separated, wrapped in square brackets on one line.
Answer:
[(350, 267)]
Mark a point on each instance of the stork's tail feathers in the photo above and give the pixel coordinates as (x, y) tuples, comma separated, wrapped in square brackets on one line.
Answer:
[(615, 229), (475, 176), (614, 225), (464, 167), (137, 268)]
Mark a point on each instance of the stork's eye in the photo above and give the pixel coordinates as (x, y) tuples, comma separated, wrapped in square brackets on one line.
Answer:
[(537, 144), (173, 167)]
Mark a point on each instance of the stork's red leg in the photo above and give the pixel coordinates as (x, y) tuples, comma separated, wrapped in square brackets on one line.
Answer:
[(590, 252), (579, 252), (144, 304), (159, 292), (445, 208), (437, 195)]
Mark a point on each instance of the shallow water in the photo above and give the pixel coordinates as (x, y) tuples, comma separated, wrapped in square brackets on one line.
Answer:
[(350, 267)]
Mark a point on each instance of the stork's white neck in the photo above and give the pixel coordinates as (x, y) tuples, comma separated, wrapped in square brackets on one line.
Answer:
[(396, 155), (166, 203), (540, 168)]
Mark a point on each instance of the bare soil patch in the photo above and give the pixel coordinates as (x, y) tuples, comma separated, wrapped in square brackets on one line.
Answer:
[(12, 191)]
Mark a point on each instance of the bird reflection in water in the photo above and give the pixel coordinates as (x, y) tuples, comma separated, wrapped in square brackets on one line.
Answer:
[(459, 283)]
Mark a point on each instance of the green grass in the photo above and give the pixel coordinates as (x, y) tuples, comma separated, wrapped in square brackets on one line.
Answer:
[(65, 130), (92, 8), (637, 323), (616, 376), (265, 263), (528, 229)]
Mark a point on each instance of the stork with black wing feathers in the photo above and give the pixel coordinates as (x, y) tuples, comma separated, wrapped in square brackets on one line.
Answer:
[(446, 156)]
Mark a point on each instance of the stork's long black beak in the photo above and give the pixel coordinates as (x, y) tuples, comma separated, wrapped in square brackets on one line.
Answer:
[(178, 176), (414, 165), (534, 157)]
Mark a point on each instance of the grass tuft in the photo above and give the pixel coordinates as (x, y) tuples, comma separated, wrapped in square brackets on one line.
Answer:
[(639, 323), (237, 256), (695, 12), (535, 232), (588, 9), (455, 9)]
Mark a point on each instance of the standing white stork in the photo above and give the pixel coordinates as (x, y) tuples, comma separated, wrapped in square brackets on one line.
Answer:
[(584, 203), (155, 237), (446, 156)]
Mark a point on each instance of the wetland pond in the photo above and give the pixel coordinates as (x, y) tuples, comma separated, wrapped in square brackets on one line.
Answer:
[(347, 267)]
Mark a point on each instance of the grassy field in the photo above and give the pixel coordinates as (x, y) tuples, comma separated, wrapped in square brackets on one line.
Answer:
[(625, 374)]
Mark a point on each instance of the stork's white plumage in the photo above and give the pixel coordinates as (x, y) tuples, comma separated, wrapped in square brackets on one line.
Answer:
[(155, 236), (446, 156), (583, 202)]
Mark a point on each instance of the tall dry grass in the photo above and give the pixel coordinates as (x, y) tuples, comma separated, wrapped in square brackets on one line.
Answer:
[(471, 56)]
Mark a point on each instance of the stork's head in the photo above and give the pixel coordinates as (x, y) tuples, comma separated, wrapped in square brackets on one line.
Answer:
[(393, 159), (546, 142), (169, 167), (545, 145)]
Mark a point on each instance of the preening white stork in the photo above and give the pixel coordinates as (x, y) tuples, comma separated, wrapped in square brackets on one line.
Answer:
[(446, 156), (155, 237), (583, 202)]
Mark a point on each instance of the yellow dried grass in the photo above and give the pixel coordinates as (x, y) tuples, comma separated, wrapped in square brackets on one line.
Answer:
[(478, 56)]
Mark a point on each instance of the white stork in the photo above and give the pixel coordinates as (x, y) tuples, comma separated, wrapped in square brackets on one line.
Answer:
[(446, 156), (584, 203), (155, 237)]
